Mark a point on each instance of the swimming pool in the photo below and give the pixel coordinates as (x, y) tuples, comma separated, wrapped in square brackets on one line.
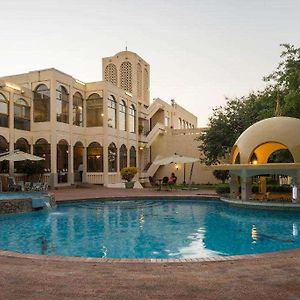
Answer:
[(149, 229)]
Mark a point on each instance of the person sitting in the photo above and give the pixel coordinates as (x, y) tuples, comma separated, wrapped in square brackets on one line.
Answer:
[(172, 180)]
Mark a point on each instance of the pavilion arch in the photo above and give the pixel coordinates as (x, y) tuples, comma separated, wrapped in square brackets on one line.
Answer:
[(263, 151), (235, 154), (94, 157)]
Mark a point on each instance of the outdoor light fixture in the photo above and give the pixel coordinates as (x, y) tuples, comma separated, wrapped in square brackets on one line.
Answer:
[(254, 162), (80, 82), (12, 86), (176, 167)]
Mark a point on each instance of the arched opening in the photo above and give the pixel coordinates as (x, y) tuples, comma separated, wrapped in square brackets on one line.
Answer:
[(21, 115), (62, 161), (4, 147), (132, 119), (123, 157), (111, 74), (3, 111), (62, 104), (122, 115), (43, 149), (132, 157), (94, 111), (23, 145), (112, 158), (126, 76), (41, 104), (77, 159), (112, 112), (265, 150), (77, 109), (95, 157)]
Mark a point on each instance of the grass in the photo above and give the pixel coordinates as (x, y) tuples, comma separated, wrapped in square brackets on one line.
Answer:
[(196, 186)]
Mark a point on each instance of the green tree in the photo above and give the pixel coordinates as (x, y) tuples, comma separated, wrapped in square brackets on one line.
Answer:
[(229, 121)]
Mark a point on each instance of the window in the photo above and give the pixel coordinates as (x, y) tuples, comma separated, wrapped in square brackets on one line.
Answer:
[(123, 157), (167, 119), (139, 80), (180, 123), (77, 109), (21, 115), (132, 157), (112, 112), (111, 74), (112, 158), (132, 119), (122, 115), (42, 148), (94, 111), (62, 105), (95, 157), (146, 84), (3, 111), (126, 76), (41, 104)]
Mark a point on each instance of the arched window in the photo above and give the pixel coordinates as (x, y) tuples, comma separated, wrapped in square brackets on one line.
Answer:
[(112, 112), (4, 147), (132, 119), (3, 111), (21, 114), (95, 157), (126, 76), (122, 115), (62, 105), (132, 157), (123, 157), (43, 149), (94, 111), (139, 80), (112, 158), (77, 109), (111, 74), (62, 161), (23, 145), (180, 123), (77, 156), (41, 104)]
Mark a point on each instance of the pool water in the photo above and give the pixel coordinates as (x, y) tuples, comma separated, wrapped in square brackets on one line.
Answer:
[(149, 229)]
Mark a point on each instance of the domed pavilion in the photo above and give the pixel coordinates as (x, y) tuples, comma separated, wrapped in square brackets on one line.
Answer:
[(252, 151)]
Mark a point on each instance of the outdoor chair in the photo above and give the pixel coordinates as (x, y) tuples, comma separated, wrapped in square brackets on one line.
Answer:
[(154, 183), (27, 186), (21, 184), (165, 182), (44, 187), (12, 185), (36, 187)]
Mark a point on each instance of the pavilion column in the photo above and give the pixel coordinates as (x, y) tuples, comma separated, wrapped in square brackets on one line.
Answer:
[(246, 186), (262, 184), (296, 188), (234, 187)]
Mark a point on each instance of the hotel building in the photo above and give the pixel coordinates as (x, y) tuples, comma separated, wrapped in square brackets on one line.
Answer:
[(106, 125)]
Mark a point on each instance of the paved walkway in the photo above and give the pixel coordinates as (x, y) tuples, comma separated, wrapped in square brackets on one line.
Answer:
[(268, 276)]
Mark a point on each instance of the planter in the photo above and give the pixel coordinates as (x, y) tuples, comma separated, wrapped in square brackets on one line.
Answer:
[(129, 184)]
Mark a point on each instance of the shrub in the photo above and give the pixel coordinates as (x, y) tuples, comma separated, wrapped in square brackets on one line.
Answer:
[(128, 173), (222, 175), (223, 189), (275, 188)]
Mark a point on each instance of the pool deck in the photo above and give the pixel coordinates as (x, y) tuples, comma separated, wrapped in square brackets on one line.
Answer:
[(267, 276)]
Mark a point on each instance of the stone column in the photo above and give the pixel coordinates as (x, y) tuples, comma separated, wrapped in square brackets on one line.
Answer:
[(234, 187), (296, 188), (70, 164), (246, 185), (262, 184), (84, 161)]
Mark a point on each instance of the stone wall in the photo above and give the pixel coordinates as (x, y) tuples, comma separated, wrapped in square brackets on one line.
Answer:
[(10, 206)]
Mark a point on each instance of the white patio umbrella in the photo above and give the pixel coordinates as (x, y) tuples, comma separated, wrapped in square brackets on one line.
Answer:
[(19, 156), (178, 159)]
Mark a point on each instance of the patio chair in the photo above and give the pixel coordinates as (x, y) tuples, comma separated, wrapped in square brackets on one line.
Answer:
[(21, 184), (44, 187), (12, 185), (154, 183), (27, 186), (36, 187), (165, 182)]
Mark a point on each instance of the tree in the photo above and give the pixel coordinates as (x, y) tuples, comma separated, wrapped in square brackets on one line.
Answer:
[(222, 175), (228, 122)]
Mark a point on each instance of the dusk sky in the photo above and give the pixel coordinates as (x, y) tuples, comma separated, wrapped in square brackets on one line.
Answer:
[(199, 51)]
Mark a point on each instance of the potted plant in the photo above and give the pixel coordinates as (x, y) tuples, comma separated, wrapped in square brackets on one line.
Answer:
[(128, 174), (141, 129)]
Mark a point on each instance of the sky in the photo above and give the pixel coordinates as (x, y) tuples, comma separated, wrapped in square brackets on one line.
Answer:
[(199, 51)]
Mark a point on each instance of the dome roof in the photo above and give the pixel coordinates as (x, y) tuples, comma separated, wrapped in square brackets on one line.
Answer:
[(282, 130)]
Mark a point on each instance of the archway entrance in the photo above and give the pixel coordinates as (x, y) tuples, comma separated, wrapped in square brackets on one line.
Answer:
[(62, 161), (77, 160)]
